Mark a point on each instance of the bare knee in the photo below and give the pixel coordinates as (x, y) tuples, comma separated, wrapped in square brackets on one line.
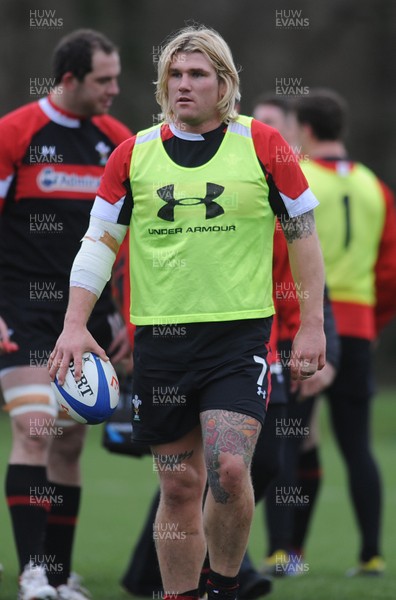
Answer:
[(31, 404), (181, 468), (188, 488), (228, 476), (31, 438)]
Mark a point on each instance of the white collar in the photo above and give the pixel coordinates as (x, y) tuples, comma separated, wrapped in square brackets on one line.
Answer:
[(186, 135), (58, 117)]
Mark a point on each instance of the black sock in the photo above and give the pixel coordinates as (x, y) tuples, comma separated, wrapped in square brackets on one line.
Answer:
[(220, 587), (60, 531), (204, 576), (308, 479), (26, 490)]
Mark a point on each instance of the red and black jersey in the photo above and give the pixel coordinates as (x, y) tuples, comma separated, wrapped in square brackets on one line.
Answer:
[(51, 163)]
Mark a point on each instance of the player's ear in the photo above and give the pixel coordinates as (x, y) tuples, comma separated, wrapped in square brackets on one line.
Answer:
[(222, 89), (68, 81)]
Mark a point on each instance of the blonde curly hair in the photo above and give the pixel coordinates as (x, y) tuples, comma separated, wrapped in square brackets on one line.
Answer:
[(210, 43)]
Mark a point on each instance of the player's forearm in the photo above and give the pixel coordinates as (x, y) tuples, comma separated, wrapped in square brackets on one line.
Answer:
[(306, 264), (80, 307), (94, 261), (309, 344), (307, 269)]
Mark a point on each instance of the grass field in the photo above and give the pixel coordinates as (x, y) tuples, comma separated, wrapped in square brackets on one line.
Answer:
[(118, 490)]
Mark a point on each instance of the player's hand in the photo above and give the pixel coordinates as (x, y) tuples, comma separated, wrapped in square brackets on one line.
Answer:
[(71, 345), (315, 384), (6, 345), (308, 352)]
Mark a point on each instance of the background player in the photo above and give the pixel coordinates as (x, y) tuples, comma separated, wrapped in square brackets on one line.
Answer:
[(356, 222), (299, 463), (276, 111), (52, 155)]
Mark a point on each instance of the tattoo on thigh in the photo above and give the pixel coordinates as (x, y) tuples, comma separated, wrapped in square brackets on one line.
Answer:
[(227, 432), (299, 227)]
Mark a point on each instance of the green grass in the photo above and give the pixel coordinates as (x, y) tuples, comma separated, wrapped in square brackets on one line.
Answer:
[(118, 491)]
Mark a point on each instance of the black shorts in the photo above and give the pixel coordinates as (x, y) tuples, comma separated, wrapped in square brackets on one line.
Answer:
[(212, 366), (36, 333)]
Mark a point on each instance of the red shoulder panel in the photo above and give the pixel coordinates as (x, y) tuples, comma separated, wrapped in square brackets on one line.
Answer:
[(16, 130), (278, 159), (116, 172)]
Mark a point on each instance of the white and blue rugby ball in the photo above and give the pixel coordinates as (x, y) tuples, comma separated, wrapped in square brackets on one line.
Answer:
[(94, 398)]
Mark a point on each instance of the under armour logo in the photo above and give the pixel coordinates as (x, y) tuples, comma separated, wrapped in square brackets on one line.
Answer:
[(213, 209), (261, 392)]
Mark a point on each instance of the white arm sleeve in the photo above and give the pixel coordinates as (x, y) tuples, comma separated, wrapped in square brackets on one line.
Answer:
[(92, 266)]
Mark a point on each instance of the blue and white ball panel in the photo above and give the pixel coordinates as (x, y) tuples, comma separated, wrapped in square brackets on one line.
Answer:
[(92, 399)]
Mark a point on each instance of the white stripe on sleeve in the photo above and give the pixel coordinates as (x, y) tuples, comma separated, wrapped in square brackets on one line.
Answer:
[(107, 211), (300, 205)]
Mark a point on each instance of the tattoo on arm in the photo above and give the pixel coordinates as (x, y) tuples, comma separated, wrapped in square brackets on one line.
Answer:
[(226, 431), (299, 227)]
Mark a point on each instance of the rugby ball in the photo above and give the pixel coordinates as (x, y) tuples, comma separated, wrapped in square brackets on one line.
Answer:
[(94, 398)]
